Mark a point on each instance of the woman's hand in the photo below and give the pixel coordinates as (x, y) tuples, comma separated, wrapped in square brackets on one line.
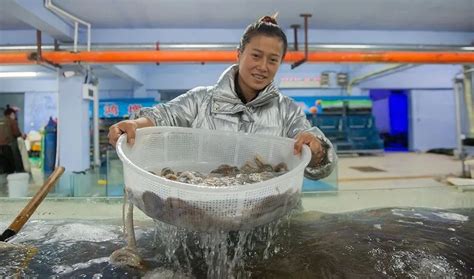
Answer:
[(314, 144), (123, 127), (128, 127)]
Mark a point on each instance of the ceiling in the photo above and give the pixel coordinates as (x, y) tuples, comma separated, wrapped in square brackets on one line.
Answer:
[(9, 22), (435, 15), (410, 15)]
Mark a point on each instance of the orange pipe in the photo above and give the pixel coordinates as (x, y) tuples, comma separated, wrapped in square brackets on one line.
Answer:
[(395, 57), (15, 58), (152, 56)]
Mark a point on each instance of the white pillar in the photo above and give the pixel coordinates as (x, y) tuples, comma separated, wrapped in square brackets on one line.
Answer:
[(140, 92), (73, 124)]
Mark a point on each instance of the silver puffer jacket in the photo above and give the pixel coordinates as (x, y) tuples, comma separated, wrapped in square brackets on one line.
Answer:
[(218, 107)]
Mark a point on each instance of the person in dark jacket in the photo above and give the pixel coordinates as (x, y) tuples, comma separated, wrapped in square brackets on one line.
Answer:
[(10, 158)]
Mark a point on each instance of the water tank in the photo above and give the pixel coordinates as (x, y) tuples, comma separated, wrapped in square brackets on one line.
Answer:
[(50, 140)]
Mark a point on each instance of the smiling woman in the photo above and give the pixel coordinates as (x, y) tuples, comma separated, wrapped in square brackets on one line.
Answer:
[(261, 51), (258, 64), (245, 99)]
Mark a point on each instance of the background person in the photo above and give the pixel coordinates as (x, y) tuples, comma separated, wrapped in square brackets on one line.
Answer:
[(10, 158)]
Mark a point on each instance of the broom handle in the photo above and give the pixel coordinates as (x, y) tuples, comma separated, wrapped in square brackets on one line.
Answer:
[(30, 208)]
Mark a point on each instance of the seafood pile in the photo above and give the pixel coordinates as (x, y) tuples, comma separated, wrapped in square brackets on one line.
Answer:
[(200, 215), (225, 175), (195, 216)]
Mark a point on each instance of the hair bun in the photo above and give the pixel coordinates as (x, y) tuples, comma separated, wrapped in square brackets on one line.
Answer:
[(268, 19)]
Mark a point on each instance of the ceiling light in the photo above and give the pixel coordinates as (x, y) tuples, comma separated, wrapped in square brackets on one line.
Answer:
[(17, 74), (347, 46), (68, 74)]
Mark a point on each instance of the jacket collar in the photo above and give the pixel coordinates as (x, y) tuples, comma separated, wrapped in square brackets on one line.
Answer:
[(224, 91)]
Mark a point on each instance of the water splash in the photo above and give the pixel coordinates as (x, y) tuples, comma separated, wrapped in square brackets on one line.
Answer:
[(82, 232), (219, 254), (65, 269), (452, 216)]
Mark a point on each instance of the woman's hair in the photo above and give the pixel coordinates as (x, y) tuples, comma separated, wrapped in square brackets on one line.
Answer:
[(8, 111), (266, 25)]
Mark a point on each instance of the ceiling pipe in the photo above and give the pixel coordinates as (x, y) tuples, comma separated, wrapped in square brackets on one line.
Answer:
[(56, 45), (55, 9), (230, 46), (377, 74), (38, 46), (38, 55), (295, 32), (169, 56), (297, 63)]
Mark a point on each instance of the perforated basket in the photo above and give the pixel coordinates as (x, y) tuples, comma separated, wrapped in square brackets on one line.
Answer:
[(208, 208)]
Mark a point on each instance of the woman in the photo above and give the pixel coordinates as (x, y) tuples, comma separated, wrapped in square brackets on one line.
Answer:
[(244, 99), (10, 158)]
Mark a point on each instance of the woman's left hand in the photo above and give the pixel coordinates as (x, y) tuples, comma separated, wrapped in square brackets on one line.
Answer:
[(314, 144)]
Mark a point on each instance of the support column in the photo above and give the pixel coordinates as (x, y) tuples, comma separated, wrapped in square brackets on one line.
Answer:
[(73, 124), (140, 92)]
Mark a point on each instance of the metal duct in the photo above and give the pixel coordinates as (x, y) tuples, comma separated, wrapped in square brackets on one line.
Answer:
[(229, 46)]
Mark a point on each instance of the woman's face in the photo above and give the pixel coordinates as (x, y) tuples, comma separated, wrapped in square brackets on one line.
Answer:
[(259, 62)]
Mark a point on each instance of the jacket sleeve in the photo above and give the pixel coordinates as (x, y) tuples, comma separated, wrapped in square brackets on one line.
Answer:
[(15, 129), (181, 111), (298, 123)]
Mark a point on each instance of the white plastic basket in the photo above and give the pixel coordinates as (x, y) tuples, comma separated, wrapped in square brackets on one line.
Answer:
[(208, 208)]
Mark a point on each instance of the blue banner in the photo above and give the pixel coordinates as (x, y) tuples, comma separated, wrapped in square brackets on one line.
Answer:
[(121, 108)]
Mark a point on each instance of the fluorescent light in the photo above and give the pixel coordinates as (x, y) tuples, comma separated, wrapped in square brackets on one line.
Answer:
[(347, 46), (17, 74)]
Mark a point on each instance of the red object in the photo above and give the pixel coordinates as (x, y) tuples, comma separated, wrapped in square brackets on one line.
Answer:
[(226, 56)]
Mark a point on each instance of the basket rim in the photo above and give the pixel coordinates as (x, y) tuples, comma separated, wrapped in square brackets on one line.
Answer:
[(122, 141)]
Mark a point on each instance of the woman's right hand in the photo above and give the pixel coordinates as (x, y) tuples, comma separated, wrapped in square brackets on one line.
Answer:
[(123, 127)]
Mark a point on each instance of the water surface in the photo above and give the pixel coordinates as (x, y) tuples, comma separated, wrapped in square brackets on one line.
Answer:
[(383, 243)]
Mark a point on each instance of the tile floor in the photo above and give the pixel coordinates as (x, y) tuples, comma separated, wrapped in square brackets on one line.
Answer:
[(407, 180)]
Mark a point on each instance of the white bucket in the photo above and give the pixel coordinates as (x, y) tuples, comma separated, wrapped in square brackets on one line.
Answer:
[(470, 164), (18, 184)]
